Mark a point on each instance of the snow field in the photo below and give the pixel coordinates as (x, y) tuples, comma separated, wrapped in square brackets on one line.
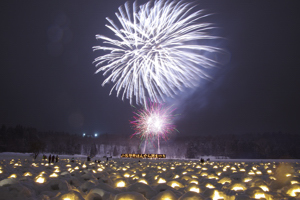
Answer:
[(129, 179)]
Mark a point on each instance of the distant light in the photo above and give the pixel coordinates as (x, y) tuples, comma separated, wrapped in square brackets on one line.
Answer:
[(121, 184), (13, 176), (100, 169), (238, 188), (208, 185), (161, 180), (293, 191), (40, 180), (27, 174), (217, 195), (53, 175), (195, 181), (83, 134), (143, 181), (195, 189), (259, 196), (264, 188), (96, 134)]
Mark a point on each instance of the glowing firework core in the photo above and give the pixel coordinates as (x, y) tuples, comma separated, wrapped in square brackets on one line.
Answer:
[(153, 122)]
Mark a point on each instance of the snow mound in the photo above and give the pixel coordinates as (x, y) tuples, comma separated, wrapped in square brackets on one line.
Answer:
[(130, 179)]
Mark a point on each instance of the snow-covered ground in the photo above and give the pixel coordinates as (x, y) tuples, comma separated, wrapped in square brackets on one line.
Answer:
[(22, 177)]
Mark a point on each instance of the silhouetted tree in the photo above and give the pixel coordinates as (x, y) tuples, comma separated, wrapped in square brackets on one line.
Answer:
[(93, 151), (36, 146), (190, 151), (115, 152)]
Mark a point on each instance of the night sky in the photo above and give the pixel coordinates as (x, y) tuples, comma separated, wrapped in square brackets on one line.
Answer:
[(47, 78)]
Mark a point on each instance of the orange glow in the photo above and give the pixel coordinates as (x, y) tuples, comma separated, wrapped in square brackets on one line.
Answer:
[(238, 187), (13, 176), (294, 191), (259, 196), (27, 174), (40, 179), (217, 195), (194, 189), (161, 180), (121, 184), (264, 188), (143, 181), (208, 185), (53, 175)]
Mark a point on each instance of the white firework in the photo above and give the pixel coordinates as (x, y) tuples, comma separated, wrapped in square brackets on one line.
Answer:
[(156, 53)]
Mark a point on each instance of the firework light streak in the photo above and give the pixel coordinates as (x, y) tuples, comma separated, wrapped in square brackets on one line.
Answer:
[(156, 54), (153, 122)]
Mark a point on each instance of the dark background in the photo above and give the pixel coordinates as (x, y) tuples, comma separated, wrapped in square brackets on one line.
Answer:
[(47, 78)]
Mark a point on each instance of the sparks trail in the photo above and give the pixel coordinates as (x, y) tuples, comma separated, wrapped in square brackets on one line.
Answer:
[(156, 53)]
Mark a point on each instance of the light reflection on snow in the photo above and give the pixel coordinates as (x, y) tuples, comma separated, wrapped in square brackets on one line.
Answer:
[(121, 184), (13, 176), (253, 180), (40, 180)]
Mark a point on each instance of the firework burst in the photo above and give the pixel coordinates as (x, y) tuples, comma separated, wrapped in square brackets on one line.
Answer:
[(156, 53), (153, 122)]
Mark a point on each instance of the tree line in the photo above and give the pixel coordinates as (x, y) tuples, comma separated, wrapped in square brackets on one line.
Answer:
[(273, 145)]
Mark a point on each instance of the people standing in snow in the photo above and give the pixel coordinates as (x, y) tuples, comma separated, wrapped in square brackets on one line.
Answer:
[(56, 158), (49, 158)]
